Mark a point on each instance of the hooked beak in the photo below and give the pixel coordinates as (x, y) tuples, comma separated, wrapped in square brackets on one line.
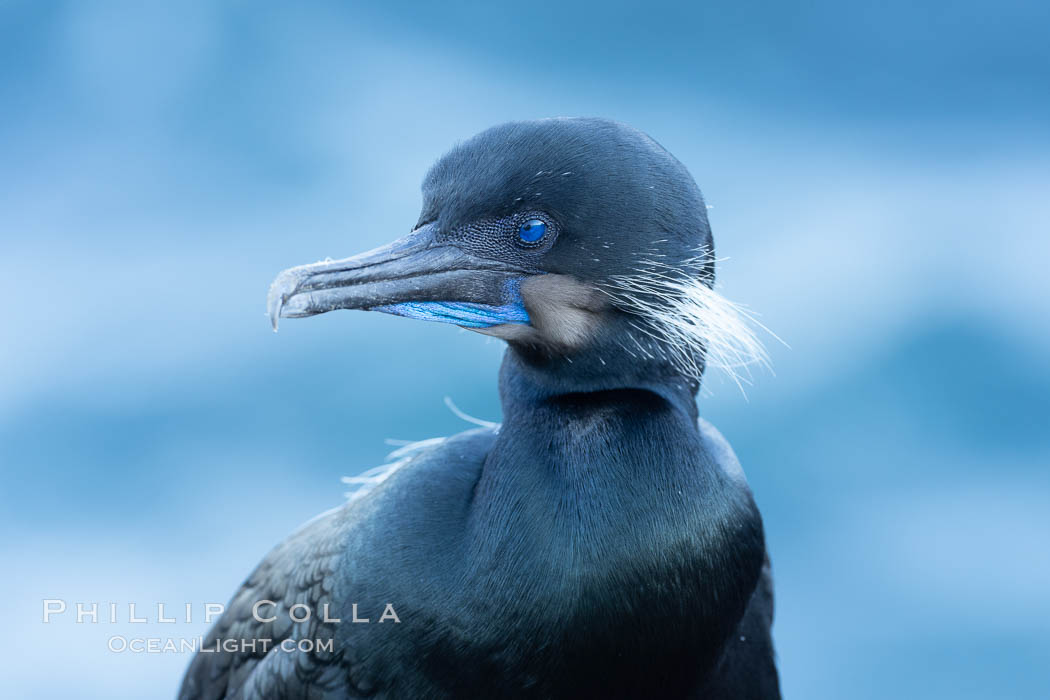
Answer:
[(414, 276)]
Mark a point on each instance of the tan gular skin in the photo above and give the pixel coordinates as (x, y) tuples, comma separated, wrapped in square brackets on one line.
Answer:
[(564, 313)]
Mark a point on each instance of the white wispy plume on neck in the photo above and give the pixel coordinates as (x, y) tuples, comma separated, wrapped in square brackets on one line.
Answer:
[(692, 324), (406, 451)]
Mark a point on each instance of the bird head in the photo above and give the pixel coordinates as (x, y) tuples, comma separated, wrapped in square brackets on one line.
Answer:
[(565, 237)]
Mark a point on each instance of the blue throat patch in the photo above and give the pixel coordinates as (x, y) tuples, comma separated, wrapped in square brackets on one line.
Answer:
[(463, 313)]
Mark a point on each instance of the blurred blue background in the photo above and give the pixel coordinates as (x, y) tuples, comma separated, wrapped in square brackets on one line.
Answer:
[(879, 178)]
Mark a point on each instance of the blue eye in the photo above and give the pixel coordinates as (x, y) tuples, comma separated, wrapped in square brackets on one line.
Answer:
[(532, 230)]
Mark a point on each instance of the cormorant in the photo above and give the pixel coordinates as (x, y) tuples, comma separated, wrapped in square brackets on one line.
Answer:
[(602, 542)]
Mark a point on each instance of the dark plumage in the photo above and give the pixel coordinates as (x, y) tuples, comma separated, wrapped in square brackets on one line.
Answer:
[(602, 542)]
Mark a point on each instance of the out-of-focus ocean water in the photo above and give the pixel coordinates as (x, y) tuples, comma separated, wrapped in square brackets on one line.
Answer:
[(879, 181)]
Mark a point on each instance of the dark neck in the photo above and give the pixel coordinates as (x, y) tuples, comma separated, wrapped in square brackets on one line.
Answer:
[(600, 492), (528, 377)]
